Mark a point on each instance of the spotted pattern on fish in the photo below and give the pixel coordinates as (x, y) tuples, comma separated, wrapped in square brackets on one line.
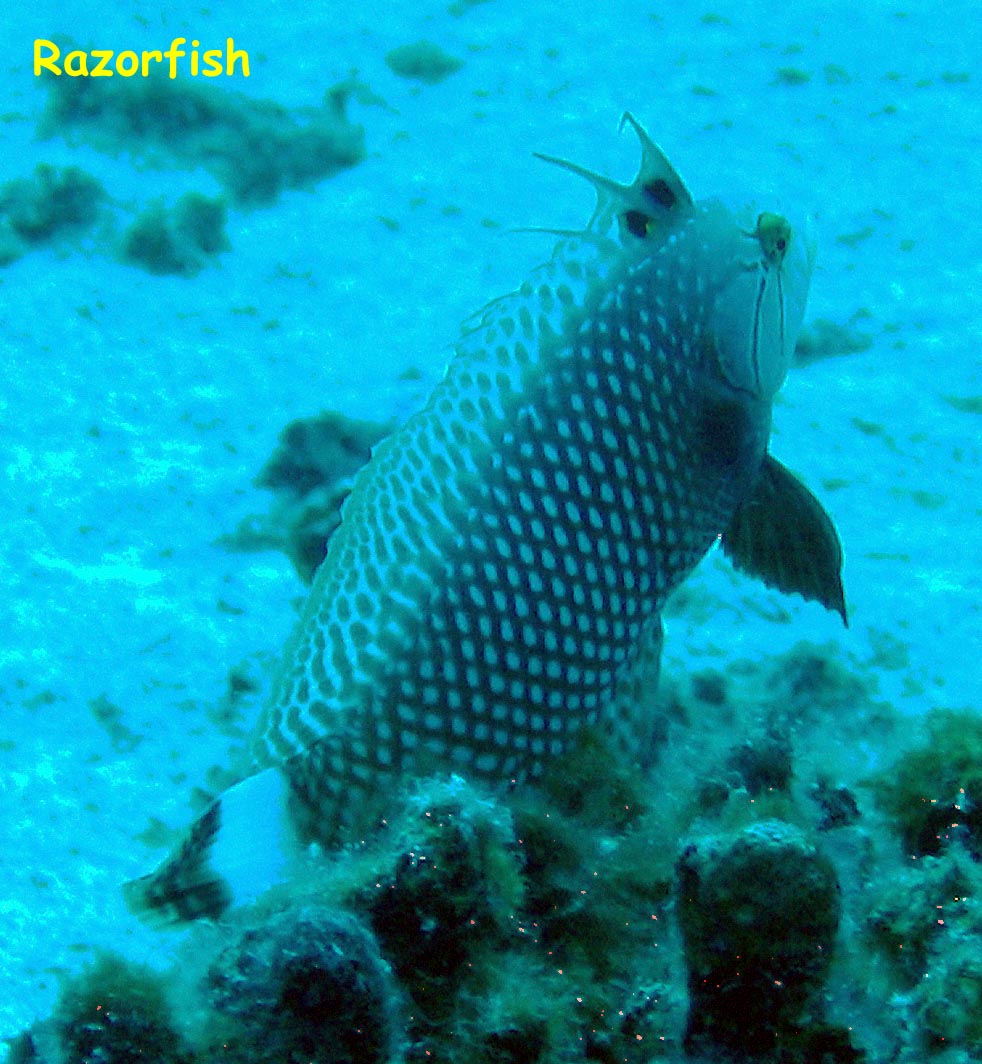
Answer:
[(536, 514), (502, 560)]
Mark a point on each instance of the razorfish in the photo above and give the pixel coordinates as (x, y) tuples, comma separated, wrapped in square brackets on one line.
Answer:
[(498, 574)]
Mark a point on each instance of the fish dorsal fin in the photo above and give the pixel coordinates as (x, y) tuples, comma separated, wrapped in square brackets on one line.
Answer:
[(641, 207), (782, 534), (656, 177)]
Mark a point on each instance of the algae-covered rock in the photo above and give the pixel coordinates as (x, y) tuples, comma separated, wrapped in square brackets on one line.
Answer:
[(759, 910), (915, 911), (114, 1012), (925, 920), (180, 240), (422, 61), (822, 338), (303, 984), (446, 895), (254, 148), (310, 474), (837, 805), (763, 763), (53, 201), (319, 450), (595, 861), (948, 1001), (470, 927), (38, 210), (933, 793)]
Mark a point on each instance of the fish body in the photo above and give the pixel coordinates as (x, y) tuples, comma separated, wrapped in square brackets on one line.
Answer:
[(496, 581)]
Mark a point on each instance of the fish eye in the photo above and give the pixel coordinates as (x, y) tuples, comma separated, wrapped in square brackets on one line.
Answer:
[(773, 233)]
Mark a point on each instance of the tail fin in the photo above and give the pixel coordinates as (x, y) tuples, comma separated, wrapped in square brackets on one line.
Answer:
[(237, 849)]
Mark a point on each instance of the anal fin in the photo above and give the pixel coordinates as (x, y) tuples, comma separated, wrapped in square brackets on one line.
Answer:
[(782, 534)]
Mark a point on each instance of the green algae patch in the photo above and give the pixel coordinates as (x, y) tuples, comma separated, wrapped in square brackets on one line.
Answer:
[(254, 148), (114, 1011), (422, 61), (827, 339), (310, 474), (925, 921), (926, 500), (968, 404), (179, 240), (852, 240), (912, 913), (461, 7), (40, 209), (791, 76), (110, 717), (933, 794)]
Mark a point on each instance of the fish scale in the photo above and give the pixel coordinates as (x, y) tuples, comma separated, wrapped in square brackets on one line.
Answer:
[(403, 515), (542, 565), (496, 581)]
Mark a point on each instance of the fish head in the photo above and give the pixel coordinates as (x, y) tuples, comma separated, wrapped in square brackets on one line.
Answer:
[(761, 265)]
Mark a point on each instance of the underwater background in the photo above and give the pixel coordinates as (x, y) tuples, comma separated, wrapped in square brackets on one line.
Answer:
[(177, 291)]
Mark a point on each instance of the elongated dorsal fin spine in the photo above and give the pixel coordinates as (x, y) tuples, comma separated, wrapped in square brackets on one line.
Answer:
[(654, 163), (610, 194), (642, 207)]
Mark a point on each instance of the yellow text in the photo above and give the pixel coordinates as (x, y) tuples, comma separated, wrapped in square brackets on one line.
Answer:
[(105, 63)]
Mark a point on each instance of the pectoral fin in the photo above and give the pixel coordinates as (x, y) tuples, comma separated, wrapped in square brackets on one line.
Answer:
[(782, 534)]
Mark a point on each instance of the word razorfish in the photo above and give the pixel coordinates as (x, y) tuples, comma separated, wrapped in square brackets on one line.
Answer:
[(127, 63), (497, 577)]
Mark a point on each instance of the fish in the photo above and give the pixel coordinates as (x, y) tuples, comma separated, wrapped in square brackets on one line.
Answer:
[(497, 579)]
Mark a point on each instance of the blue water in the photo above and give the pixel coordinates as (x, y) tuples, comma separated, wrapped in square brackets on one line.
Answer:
[(135, 409)]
